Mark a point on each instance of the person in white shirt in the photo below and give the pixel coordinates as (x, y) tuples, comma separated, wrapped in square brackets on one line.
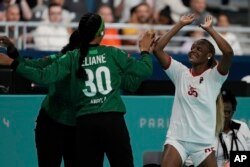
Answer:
[(176, 6), (192, 129), (51, 37), (235, 135), (231, 38)]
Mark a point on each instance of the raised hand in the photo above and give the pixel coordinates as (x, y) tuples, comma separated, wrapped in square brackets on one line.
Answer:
[(187, 19), (208, 23), (147, 41)]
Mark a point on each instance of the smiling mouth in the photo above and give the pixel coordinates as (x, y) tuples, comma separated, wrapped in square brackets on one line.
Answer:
[(192, 55)]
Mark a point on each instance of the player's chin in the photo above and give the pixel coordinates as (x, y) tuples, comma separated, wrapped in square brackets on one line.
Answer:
[(191, 60)]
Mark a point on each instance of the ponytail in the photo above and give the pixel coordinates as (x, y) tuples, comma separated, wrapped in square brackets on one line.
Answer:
[(84, 48), (219, 115), (74, 42), (90, 26)]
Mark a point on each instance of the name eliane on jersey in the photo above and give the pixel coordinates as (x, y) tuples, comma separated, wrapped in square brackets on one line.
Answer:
[(92, 60)]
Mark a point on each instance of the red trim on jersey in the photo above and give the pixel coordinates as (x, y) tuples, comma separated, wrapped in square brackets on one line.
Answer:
[(167, 65), (194, 74)]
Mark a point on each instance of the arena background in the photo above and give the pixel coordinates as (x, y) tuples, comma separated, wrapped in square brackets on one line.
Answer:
[(148, 110)]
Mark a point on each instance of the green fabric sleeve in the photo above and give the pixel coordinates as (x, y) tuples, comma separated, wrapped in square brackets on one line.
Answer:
[(40, 62), (141, 68), (50, 74), (131, 83)]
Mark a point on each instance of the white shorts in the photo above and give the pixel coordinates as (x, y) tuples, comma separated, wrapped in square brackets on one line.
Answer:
[(197, 151)]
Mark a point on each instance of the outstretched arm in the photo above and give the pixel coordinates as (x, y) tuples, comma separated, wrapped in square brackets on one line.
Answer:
[(50, 74), (226, 49), (164, 40), (13, 53)]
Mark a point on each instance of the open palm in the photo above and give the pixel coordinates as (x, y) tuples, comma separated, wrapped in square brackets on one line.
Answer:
[(147, 40), (187, 19), (208, 22)]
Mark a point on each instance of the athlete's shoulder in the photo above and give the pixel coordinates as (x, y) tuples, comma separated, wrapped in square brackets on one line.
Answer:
[(55, 56), (107, 47), (73, 53), (113, 50), (70, 54)]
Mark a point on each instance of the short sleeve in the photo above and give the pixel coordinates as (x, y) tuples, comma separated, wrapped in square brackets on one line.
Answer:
[(174, 70), (217, 76)]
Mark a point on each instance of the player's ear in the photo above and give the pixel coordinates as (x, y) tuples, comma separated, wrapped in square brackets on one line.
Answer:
[(209, 56)]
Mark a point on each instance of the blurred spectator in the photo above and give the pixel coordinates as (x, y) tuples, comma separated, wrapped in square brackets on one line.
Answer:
[(37, 11), (176, 6), (77, 8), (140, 14), (33, 3), (51, 37), (2, 18), (2, 13), (143, 13), (93, 6), (13, 15), (127, 5), (193, 36), (25, 10), (198, 7), (106, 13), (231, 38), (67, 16), (164, 18)]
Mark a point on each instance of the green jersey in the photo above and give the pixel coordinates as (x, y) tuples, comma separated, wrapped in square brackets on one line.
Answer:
[(57, 103), (100, 92)]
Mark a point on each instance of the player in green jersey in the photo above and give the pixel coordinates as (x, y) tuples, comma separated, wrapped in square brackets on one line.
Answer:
[(55, 128), (95, 78), (55, 124)]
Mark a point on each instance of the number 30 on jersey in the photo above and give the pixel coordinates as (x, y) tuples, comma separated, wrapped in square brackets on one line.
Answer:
[(98, 81)]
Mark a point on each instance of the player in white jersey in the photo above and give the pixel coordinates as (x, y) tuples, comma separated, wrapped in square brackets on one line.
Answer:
[(193, 120)]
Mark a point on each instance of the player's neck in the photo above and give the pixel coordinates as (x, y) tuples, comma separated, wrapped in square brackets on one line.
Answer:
[(197, 70), (96, 40)]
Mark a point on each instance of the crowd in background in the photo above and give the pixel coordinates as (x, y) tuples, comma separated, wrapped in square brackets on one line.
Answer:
[(142, 12)]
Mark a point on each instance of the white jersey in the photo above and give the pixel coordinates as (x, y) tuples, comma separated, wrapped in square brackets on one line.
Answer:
[(193, 117)]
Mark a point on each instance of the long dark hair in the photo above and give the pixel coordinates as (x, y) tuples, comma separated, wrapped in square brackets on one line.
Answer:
[(88, 28), (74, 42)]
